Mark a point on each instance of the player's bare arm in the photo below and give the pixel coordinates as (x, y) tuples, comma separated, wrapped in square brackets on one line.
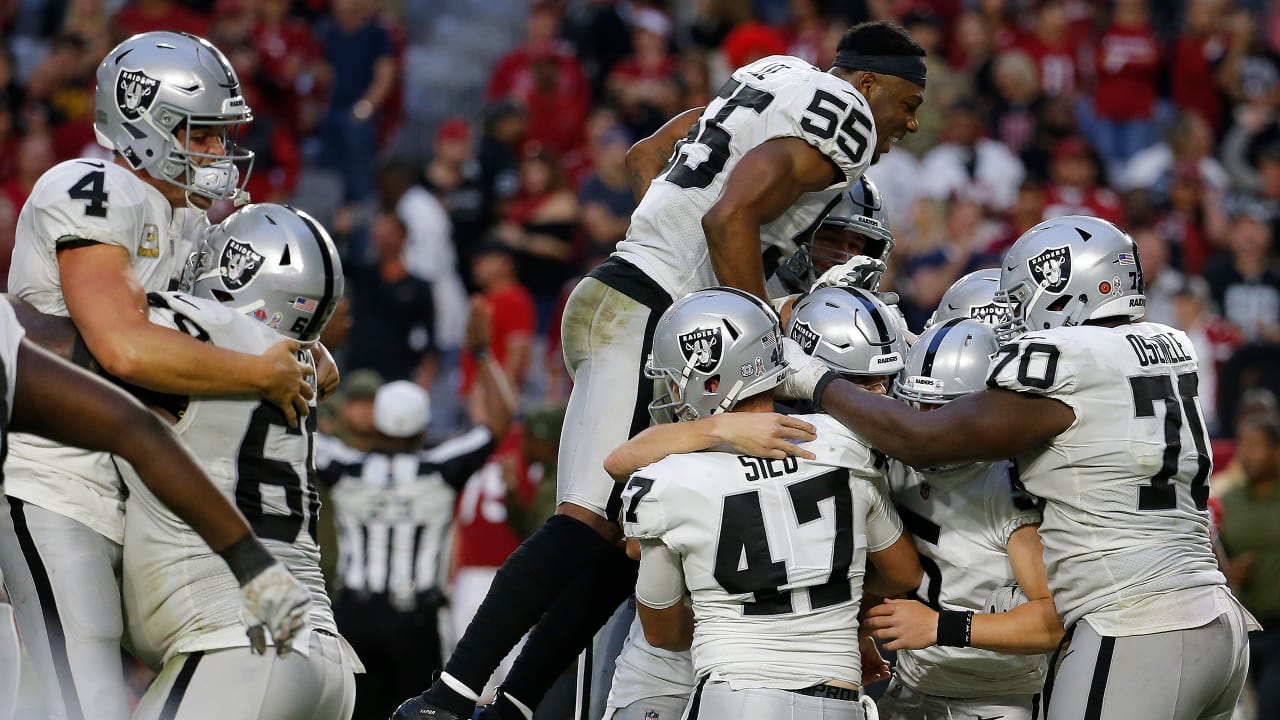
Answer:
[(646, 158), (1031, 628), (327, 376), (769, 435), (894, 570), (767, 181), (989, 425), (109, 308), (56, 400)]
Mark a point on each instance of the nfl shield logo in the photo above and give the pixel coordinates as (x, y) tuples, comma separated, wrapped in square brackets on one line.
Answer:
[(802, 333), (702, 349), (1051, 269), (239, 264), (135, 91)]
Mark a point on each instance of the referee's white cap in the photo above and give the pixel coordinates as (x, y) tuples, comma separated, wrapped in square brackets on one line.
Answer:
[(401, 409)]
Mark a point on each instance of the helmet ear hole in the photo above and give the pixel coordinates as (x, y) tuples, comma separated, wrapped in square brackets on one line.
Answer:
[(222, 296), (1060, 304), (712, 384)]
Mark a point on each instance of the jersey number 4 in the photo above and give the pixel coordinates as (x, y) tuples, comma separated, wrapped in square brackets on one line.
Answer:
[(1179, 402), (91, 188), (744, 561)]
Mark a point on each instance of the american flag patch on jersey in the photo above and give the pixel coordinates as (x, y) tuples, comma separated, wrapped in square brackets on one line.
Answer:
[(305, 305), (1125, 259)]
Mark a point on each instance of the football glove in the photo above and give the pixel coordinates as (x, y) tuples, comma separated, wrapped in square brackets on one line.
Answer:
[(858, 271), (273, 602), (806, 371)]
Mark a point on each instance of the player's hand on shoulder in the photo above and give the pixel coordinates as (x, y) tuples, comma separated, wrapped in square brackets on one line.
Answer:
[(903, 624), (273, 603), (768, 435), (286, 384), (858, 271)]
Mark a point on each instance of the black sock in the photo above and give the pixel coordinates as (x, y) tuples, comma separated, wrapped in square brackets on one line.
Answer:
[(526, 584), (569, 626)]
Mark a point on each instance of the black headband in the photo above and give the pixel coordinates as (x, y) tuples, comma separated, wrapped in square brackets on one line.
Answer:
[(907, 67)]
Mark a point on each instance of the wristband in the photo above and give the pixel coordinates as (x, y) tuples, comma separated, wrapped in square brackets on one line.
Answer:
[(821, 385), (247, 557), (955, 628)]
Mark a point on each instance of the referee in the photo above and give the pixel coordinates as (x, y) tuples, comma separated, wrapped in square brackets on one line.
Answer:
[(393, 507)]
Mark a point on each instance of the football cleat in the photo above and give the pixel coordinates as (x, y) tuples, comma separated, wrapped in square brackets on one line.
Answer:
[(417, 708)]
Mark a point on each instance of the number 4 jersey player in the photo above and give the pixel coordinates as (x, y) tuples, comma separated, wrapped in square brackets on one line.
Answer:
[(762, 165)]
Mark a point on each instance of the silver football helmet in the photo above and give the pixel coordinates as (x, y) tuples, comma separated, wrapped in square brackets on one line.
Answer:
[(849, 329), (273, 263), (1067, 271), (719, 334), (949, 360), (861, 210), (972, 296), (157, 83)]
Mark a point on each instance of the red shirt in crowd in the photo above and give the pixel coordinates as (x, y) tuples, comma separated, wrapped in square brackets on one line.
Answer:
[(132, 19), (484, 537), (1127, 61), (557, 112), (1099, 202), (513, 316), (1193, 76), (1059, 74)]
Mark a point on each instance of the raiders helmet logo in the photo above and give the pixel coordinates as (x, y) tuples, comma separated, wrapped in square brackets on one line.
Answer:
[(702, 349), (802, 333), (989, 314), (135, 91), (1051, 269), (239, 264)]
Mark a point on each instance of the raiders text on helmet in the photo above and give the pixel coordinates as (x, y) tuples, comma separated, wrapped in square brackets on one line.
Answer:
[(155, 84), (849, 329), (273, 263), (719, 334), (1067, 271), (972, 296)]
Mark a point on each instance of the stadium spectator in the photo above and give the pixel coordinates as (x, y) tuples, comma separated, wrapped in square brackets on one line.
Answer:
[(1190, 217), (751, 41), (453, 176), (499, 157), (1016, 104), (968, 165), (291, 64), (1251, 538), (141, 16), (1252, 154), (946, 86), (493, 271), (362, 67), (544, 76), (1244, 284), (605, 195), (1055, 49), (1074, 189), (1197, 50), (1189, 141), (1161, 280), (643, 85), (1213, 339), (392, 311), (1127, 64), (35, 156)]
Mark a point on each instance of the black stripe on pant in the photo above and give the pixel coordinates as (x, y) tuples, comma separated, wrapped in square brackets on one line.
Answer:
[(49, 607), (180, 684), (1101, 670)]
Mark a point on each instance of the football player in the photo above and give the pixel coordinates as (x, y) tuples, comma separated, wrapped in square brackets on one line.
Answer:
[(179, 602), (1101, 414), (975, 531), (760, 166), (972, 296), (772, 551), (93, 238)]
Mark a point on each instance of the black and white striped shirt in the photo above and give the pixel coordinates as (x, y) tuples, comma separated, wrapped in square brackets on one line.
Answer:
[(394, 511)]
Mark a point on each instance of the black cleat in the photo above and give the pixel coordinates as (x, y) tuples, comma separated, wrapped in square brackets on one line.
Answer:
[(417, 708)]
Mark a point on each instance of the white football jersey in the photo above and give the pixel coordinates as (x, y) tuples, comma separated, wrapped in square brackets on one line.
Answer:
[(775, 97), (11, 333), (960, 520), (644, 671), (179, 595), (773, 554), (98, 202), (1125, 531)]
